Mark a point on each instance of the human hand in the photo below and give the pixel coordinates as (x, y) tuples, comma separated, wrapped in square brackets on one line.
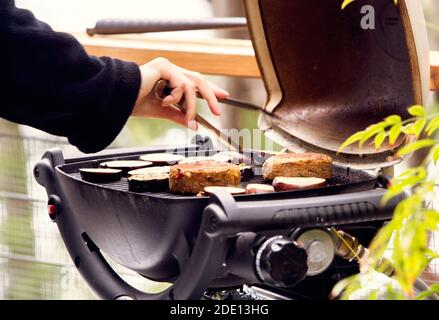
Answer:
[(185, 84)]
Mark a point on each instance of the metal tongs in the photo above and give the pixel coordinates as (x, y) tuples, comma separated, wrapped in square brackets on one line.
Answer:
[(162, 90)]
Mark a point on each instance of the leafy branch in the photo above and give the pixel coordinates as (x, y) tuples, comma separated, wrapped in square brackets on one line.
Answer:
[(393, 127), (413, 220)]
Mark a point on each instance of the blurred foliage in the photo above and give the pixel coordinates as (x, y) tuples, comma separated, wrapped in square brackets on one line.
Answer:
[(413, 220)]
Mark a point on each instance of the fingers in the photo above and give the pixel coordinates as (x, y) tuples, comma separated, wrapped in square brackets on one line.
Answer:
[(186, 83), (219, 92), (174, 98), (178, 117), (206, 92), (183, 86), (190, 96), (184, 89)]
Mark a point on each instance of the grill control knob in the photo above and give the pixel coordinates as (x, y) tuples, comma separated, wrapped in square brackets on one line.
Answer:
[(281, 262)]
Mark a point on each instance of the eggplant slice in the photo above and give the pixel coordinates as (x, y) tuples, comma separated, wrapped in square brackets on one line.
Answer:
[(289, 184), (231, 157), (197, 160), (257, 188), (162, 159), (149, 170), (231, 190), (247, 173), (98, 175), (149, 183), (126, 165)]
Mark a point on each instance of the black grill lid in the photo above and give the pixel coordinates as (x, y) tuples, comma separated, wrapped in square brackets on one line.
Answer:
[(328, 77)]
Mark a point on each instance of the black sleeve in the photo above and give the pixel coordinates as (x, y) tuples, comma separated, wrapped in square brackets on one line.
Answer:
[(48, 81)]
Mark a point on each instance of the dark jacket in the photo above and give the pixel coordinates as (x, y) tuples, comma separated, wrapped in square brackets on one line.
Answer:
[(49, 82)]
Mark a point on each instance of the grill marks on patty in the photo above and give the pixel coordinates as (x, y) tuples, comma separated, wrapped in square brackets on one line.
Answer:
[(193, 178), (311, 165)]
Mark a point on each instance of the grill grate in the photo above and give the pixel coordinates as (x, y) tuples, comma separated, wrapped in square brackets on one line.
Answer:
[(122, 185), (343, 180)]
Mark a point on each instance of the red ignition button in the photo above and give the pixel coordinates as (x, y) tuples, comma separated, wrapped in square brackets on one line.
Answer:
[(52, 210)]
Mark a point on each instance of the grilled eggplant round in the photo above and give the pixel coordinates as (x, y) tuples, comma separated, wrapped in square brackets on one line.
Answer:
[(96, 175), (126, 165), (231, 157), (247, 173), (314, 165), (256, 188), (193, 178), (154, 182), (162, 159), (231, 190), (149, 170), (289, 184), (194, 160)]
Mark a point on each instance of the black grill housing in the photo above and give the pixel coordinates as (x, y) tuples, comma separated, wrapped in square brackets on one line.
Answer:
[(185, 239)]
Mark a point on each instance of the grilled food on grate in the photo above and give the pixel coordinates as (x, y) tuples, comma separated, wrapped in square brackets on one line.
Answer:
[(231, 190), (314, 165), (289, 184), (152, 182), (231, 156), (126, 165), (247, 172), (149, 170), (257, 188), (100, 175), (193, 178), (162, 159)]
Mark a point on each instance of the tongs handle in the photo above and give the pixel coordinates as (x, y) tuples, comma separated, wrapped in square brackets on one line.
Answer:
[(162, 90), (127, 26)]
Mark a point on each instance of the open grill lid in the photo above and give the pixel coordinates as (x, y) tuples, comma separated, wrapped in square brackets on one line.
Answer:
[(327, 77)]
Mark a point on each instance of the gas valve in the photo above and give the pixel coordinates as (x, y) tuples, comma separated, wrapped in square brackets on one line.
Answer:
[(320, 248), (281, 262)]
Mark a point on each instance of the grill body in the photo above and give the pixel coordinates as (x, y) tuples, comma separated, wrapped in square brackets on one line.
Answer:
[(142, 231), (187, 239)]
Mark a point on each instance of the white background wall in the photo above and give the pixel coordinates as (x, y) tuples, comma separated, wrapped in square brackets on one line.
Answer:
[(77, 15)]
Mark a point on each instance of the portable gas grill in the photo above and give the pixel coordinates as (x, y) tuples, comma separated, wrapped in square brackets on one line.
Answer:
[(326, 77)]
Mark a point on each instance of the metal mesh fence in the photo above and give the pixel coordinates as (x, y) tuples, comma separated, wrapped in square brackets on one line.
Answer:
[(34, 263)]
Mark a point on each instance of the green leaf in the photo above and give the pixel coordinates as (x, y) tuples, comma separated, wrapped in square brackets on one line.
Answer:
[(416, 171), (409, 129), (417, 111), (370, 132), (351, 140), (346, 3), (434, 289), (431, 220), (418, 126), (417, 145), (432, 126), (435, 154), (394, 133), (379, 139), (391, 120)]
